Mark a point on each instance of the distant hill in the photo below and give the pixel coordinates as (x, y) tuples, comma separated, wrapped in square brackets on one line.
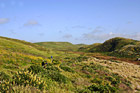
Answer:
[(60, 45), (116, 46)]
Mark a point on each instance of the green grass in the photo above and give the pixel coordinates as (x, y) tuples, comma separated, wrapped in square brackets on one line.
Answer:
[(20, 69), (120, 47), (17, 54), (65, 46)]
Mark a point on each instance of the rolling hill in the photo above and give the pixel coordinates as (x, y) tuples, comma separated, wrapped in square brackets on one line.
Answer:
[(60, 45), (118, 46), (21, 70), (16, 53)]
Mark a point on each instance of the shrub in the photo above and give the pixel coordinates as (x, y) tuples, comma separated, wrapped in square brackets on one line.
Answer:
[(56, 62), (4, 76), (88, 76), (28, 78), (4, 86), (59, 77), (82, 58), (97, 80), (93, 68), (10, 67), (4, 82), (56, 76), (53, 68), (66, 68), (102, 88), (35, 69), (88, 68), (85, 91)]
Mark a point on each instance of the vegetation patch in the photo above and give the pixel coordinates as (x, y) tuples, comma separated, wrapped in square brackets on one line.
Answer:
[(66, 68)]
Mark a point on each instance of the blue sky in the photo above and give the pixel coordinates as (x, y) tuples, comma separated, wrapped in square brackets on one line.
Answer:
[(75, 21)]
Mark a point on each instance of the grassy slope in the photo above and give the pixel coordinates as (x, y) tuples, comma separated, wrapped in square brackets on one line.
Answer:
[(118, 46), (60, 45), (15, 53), (69, 73)]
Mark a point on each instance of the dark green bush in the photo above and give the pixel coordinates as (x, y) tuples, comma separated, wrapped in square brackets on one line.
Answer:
[(85, 91), (97, 80), (56, 76), (102, 88), (66, 68), (88, 76), (113, 80), (93, 68), (56, 62), (4, 76), (53, 68), (88, 68), (35, 69), (82, 58)]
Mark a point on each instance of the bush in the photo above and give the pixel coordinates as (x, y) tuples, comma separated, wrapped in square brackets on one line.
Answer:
[(82, 58), (56, 62), (113, 80), (88, 76), (56, 76), (93, 68), (66, 68), (4, 82), (4, 76), (102, 88), (97, 80), (27, 78), (35, 69), (4, 86), (53, 68), (85, 91)]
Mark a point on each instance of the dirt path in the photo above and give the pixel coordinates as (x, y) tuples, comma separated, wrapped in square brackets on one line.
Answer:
[(127, 70)]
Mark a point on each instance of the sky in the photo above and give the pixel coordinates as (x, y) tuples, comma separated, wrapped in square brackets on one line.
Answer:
[(75, 21)]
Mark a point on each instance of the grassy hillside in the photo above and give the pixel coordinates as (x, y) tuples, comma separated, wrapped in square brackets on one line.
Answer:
[(15, 53), (60, 45), (118, 46), (21, 71)]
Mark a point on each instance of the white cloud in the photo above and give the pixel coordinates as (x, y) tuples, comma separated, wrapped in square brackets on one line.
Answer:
[(4, 20), (101, 37), (31, 23), (98, 29)]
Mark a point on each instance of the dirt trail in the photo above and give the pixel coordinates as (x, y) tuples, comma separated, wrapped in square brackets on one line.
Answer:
[(127, 70)]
